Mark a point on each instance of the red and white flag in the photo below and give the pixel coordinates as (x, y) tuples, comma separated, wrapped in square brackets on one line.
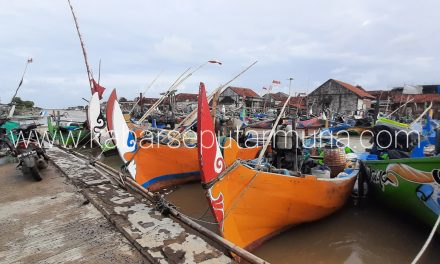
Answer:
[(214, 61), (97, 89), (275, 82)]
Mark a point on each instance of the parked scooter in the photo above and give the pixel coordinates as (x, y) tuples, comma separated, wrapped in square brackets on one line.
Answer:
[(30, 153)]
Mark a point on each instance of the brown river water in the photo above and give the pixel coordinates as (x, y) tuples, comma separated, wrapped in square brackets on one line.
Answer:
[(370, 234)]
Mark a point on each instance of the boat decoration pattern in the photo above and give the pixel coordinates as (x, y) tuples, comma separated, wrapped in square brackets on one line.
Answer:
[(428, 192)]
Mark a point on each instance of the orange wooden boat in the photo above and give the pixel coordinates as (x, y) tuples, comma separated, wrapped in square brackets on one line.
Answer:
[(158, 166), (251, 205)]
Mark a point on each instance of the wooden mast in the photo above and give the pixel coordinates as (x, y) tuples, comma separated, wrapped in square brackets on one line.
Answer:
[(89, 73)]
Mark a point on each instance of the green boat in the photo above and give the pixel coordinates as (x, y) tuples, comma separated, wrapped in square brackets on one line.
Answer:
[(384, 120), (9, 125), (67, 133), (410, 185)]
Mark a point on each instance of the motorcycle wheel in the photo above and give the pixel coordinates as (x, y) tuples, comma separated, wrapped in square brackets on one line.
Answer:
[(35, 173)]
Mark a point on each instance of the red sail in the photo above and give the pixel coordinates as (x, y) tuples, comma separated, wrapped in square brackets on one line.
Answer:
[(109, 110), (210, 157)]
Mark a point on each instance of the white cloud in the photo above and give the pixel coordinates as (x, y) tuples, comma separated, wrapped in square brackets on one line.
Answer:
[(174, 47), (367, 42)]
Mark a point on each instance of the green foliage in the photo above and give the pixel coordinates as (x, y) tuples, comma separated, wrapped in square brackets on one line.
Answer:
[(22, 104), (17, 100)]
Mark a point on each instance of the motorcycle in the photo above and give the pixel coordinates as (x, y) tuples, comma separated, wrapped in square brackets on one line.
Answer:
[(30, 153)]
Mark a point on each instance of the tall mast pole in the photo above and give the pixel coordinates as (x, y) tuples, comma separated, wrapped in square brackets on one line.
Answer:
[(290, 84), (22, 77), (89, 73)]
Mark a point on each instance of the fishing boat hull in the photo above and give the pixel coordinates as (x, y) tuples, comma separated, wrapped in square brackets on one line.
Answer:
[(157, 166), (9, 126), (162, 166), (98, 128), (252, 205), (67, 136), (274, 202), (409, 185), (310, 123)]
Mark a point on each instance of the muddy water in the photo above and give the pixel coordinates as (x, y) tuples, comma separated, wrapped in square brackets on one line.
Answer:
[(372, 234), (353, 235)]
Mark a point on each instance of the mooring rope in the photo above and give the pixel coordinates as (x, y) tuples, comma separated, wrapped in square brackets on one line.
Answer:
[(204, 213), (240, 195), (428, 241), (200, 220)]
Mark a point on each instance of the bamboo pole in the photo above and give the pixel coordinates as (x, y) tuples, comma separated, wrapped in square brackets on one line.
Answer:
[(214, 105), (83, 47), (146, 89), (266, 144), (99, 71), (420, 116), (427, 242), (412, 99), (188, 120), (157, 103), (244, 254), (21, 81)]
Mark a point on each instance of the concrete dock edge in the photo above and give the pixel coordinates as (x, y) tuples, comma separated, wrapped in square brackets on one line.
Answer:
[(159, 238)]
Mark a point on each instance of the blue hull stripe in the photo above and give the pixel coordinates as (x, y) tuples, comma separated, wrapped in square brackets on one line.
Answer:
[(169, 177)]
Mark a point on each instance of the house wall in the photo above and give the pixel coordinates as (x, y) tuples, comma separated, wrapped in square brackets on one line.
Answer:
[(186, 106), (360, 104), (334, 96), (367, 104), (250, 101), (229, 93)]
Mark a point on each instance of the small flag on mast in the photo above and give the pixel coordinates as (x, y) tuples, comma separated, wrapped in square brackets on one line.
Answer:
[(30, 60), (214, 61), (275, 82), (97, 89)]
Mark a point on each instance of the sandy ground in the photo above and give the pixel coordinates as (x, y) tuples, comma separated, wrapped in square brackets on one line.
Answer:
[(50, 222)]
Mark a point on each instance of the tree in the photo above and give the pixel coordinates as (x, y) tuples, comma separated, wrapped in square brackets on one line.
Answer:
[(17, 100), (28, 104), (122, 99), (22, 104)]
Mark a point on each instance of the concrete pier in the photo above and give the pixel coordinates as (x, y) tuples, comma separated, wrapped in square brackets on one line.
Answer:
[(51, 222), (74, 218)]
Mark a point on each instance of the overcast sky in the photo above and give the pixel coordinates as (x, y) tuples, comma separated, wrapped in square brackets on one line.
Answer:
[(375, 44)]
